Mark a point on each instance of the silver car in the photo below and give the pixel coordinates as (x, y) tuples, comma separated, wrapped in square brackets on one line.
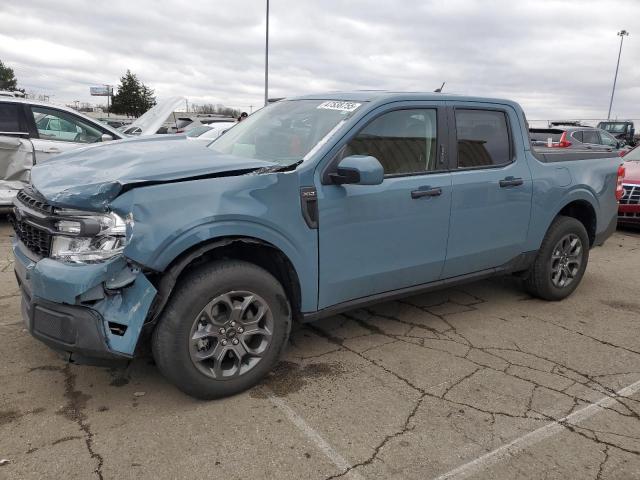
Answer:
[(585, 138)]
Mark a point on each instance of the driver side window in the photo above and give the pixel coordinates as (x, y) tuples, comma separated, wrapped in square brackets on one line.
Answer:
[(61, 126), (403, 141)]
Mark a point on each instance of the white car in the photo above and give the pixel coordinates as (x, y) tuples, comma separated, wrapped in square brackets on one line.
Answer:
[(51, 128), (209, 132)]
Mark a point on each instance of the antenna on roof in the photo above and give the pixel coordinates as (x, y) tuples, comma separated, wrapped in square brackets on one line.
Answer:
[(439, 90)]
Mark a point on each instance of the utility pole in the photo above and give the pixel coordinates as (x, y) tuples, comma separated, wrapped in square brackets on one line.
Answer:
[(266, 60), (250, 109), (621, 34), (109, 93)]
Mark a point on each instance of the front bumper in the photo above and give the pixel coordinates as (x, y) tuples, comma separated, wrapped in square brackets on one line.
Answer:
[(93, 311), (75, 331), (629, 214)]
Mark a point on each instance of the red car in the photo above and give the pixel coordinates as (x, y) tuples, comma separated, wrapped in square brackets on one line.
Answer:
[(629, 209)]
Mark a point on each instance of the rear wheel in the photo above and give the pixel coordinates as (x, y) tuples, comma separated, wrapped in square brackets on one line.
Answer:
[(223, 329), (561, 260)]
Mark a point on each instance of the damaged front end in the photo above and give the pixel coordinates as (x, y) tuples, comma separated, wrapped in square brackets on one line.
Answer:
[(80, 295)]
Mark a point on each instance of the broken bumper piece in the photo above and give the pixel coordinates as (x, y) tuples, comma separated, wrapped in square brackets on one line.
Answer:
[(89, 311)]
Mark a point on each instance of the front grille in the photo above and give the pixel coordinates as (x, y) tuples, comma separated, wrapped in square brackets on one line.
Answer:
[(631, 195), (36, 238), (629, 215), (29, 198)]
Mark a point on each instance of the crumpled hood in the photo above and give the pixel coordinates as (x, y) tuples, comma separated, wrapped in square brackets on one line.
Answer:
[(89, 178)]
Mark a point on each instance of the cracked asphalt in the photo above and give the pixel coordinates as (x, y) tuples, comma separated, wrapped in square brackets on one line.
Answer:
[(479, 382)]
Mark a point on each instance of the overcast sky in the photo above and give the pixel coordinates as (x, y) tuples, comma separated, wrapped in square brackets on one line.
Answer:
[(557, 58)]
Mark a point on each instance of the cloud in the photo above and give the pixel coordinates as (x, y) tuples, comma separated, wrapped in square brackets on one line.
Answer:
[(557, 58)]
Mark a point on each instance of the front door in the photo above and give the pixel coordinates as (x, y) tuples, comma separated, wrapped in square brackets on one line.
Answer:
[(492, 190), (60, 131), (379, 238)]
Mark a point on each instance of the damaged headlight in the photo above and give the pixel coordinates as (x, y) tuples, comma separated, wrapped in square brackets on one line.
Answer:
[(87, 237)]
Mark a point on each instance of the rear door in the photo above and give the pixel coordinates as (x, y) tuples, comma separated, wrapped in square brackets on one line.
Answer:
[(379, 238), (492, 187)]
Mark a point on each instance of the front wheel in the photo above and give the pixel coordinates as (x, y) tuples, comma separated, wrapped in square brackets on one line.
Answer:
[(223, 329), (561, 260)]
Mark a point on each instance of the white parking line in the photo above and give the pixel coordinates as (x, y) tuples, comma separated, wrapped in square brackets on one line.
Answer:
[(337, 459), (536, 436)]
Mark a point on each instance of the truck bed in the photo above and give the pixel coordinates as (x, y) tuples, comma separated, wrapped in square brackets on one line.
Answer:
[(551, 155)]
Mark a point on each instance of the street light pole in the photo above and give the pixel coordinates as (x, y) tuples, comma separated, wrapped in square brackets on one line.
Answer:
[(266, 61), (621, 34)]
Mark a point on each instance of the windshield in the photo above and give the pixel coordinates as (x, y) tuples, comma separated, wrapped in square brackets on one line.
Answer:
[(633, 155), (286, 131), (614, 127), (197, 131)]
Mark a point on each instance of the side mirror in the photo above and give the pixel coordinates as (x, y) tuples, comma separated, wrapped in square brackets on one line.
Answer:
[(358, 170), (106, 137)]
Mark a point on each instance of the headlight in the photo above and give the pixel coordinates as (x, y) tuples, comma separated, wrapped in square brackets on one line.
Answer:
[(88, 237)]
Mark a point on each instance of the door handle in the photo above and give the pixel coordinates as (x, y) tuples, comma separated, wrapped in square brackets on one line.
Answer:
[(52, 150), (426, 192), (511, 182)]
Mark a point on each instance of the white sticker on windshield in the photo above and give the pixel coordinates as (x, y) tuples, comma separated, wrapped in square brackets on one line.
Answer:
[(339, 105)]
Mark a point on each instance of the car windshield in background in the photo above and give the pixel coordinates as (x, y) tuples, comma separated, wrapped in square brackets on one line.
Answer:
[(197, 131), (633, 155), (541, 136), (286, 131), (614, 127)]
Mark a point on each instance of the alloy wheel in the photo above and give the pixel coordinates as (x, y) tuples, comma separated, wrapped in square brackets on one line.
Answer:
[(231, 334)]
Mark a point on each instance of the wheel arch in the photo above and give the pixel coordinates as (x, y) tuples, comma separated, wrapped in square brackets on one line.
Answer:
[(250, 249), (582, 210)]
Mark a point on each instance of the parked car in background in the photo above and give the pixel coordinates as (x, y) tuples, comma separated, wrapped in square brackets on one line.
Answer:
[(53, 129), (209, 132), (308, 208), (11, 93), (153, 120), (621, 130), (576, 137), (115, 123), (629, 207)]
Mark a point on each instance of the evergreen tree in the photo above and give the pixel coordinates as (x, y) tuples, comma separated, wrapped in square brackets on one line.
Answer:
[(133, 97), (8, 80)]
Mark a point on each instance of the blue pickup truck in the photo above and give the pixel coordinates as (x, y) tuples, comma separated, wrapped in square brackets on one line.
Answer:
[(310, 207)]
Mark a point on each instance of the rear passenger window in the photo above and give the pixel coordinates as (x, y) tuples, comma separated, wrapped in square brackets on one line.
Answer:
[(577, 136), (590, 136), (483, 138), (10, 118), (403, 141)]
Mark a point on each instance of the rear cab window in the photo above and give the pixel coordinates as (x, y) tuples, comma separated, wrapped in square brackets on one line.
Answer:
[(483, 138), (591, 136)]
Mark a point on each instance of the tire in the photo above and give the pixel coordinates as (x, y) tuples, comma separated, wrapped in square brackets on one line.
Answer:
[(544, 278), (237, 297)]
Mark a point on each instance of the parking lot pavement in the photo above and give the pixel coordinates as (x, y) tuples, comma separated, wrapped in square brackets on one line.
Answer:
[(474, 382)]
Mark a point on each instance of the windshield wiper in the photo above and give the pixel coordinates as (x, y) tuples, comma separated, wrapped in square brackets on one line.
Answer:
[(277, 168)]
